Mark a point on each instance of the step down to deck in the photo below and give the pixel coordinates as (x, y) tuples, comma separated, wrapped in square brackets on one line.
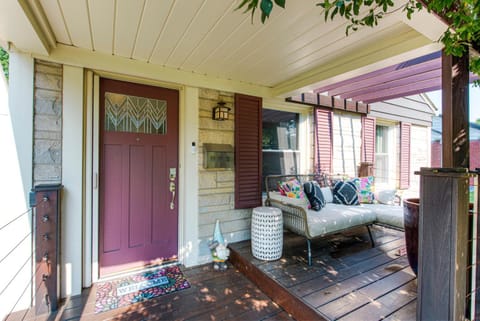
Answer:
[(279, 294)]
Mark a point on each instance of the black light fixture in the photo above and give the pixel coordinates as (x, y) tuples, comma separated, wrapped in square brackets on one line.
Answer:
[(220, 112)]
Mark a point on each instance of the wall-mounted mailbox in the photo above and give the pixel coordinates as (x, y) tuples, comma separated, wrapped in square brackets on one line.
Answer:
[(218, 156)]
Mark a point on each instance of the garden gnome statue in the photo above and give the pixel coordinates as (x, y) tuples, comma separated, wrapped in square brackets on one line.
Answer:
[(219, 249)]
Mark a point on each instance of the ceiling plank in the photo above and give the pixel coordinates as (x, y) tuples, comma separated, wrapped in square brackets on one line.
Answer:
[(127, 22), (56, 21), (76, 17), (182, 15), (102, 18), (199, 30), (155, 16)]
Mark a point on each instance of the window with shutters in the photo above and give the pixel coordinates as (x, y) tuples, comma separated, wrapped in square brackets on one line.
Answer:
[(280, 149)]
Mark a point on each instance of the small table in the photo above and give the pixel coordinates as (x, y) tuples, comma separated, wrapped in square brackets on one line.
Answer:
[(267, 233)]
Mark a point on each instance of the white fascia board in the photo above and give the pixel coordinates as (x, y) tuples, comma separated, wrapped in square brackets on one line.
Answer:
[(151, 73), (428, 24)]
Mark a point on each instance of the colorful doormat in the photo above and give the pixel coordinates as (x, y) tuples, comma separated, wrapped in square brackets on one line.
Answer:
[(139, 287)]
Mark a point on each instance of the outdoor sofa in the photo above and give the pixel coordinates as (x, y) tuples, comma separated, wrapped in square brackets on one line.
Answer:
[(332, 218)]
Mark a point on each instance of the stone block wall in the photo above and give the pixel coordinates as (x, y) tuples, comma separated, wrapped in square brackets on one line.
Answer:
[(47, 154), (217, 186)]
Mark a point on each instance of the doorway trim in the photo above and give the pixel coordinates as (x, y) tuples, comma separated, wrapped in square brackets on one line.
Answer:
[(187, 253)]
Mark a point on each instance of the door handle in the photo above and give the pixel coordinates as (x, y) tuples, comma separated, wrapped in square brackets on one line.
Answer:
[(172, 190)]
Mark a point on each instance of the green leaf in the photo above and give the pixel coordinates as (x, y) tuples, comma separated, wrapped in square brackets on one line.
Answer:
[(266, 7), (280, 3)]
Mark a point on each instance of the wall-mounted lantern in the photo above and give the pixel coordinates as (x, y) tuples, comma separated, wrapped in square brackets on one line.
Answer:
[(220, 112)]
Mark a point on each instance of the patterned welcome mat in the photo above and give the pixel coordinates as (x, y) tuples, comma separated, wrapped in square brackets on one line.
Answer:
[(139, 287)]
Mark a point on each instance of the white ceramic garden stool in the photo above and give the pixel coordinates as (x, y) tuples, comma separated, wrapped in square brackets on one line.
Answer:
[(267, 233)]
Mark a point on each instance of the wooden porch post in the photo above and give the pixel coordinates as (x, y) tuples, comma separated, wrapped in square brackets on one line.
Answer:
[(443, 222), (455, 140)]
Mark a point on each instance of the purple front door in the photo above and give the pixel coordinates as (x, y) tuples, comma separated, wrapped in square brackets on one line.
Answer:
[(138, 175)]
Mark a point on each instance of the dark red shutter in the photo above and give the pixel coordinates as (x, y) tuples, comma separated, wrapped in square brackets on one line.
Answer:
[(404, 155), (368, 139), (323, 140), (248, 151)]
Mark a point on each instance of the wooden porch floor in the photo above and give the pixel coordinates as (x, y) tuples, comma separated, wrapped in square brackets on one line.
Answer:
[(349, 280), (213, 295)]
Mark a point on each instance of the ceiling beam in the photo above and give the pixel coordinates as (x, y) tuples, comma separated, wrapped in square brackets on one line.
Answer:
[(400, 91), (376, 79), (432, 75)]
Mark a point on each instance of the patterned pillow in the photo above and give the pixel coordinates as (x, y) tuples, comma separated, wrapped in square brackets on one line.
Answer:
[(291, 188), (345, 193), (314, 195), (365, 186)]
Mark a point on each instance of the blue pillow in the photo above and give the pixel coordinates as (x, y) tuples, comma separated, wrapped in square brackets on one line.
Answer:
[(345, 193), (314, 195)]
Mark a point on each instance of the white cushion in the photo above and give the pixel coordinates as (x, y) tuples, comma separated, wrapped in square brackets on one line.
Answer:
[(337, 217), (386, 196), (327, 194)]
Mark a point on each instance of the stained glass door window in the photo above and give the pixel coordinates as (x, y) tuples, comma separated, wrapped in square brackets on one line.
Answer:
[(126, 113)]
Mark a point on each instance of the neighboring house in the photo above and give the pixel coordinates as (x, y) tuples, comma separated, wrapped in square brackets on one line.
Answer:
[(436, 143), (114, 100)]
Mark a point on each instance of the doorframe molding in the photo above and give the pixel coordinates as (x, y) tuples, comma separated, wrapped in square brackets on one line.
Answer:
[(92, 162)]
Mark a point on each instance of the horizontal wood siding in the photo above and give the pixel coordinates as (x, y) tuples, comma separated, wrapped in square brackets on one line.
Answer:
[(248, 151), (323, 140), (412, 109), (404, 174), (368, 139)]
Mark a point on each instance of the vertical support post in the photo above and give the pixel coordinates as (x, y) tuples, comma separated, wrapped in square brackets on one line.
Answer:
[(455, 126), (443, 244), (47, 236)]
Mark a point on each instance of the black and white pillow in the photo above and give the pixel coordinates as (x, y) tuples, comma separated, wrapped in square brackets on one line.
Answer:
[(345, 193), (314, 195)]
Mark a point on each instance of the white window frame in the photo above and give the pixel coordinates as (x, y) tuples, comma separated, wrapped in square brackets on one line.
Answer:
[(392, 155)]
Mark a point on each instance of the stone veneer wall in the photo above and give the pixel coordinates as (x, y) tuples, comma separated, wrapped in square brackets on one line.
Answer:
[(216, 186), (47, 154)]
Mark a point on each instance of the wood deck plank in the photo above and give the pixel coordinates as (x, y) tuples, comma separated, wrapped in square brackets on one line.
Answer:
[(366, 295), (340, 289), (405, 313), (334, 276), (384, 306)]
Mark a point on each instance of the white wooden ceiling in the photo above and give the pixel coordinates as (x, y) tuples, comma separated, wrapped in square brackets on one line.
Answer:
[(210, 37)]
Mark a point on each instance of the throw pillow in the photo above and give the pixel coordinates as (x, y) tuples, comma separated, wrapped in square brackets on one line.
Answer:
[(345, 193), (365, 186), (327, 194), (314, 195), (386, 196), (291, 188)]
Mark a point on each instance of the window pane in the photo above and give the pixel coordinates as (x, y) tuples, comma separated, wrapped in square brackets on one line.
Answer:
[(279, 130), (280, 143), (124, 113), (381, 154)]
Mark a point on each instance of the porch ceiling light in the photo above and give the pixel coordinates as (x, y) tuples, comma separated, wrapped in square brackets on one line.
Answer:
[(220, 112)]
